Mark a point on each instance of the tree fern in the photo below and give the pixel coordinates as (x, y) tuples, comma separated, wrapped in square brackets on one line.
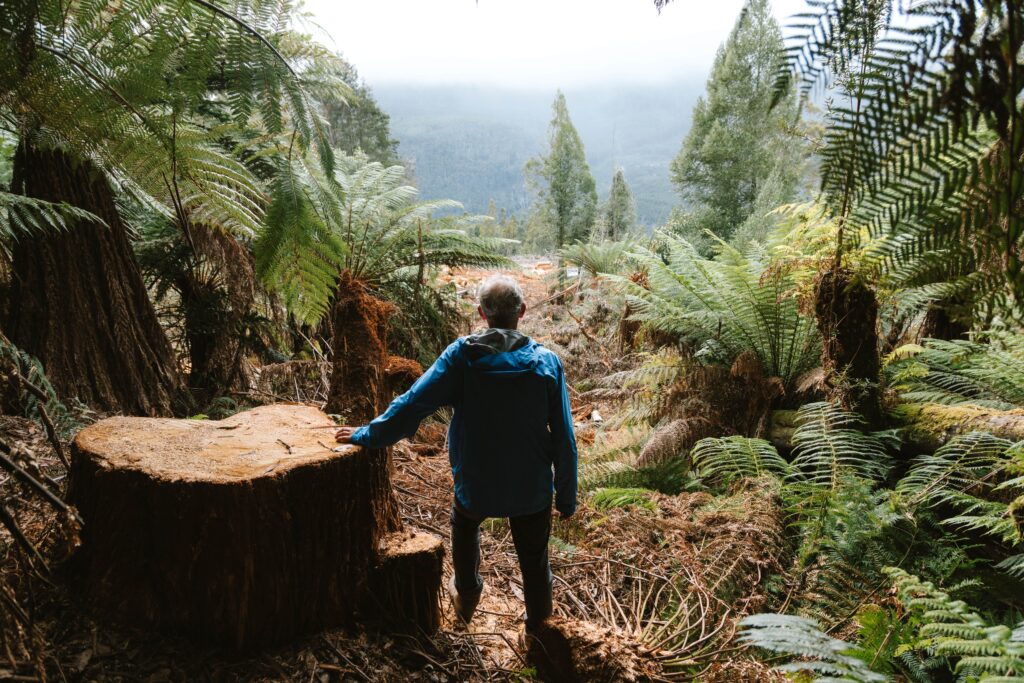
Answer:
[(599, 258), (923, 141), (149, 92), (724, 306)]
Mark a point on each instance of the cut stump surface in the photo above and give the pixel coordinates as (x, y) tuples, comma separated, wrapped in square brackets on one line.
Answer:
[(264, 442), (242, 532)]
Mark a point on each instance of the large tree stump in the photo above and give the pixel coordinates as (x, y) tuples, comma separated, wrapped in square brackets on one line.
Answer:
[(242, 532)]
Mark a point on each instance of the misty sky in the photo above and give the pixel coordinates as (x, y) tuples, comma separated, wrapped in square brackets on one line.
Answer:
[(529, 43)]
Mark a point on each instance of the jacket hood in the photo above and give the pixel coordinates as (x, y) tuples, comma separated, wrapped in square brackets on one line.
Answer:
[(493, 341), (497, 350)]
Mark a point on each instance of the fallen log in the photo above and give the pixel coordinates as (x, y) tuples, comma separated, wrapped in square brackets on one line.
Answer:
[(243, 532), (927, 426), (924, 427)]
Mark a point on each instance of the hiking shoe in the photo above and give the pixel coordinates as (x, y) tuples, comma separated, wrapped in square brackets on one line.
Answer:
[(464, 605)]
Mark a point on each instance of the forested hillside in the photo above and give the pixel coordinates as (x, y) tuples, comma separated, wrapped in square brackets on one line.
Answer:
[(471, 143)]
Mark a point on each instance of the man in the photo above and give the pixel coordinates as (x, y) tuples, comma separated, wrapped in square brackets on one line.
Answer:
[(510, 443)]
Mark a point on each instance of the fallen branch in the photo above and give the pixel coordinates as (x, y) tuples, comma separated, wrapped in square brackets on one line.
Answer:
[(51, 431), (8, 520), (19, 473)]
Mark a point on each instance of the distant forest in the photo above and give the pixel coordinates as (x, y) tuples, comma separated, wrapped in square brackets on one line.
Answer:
[(471, 143)]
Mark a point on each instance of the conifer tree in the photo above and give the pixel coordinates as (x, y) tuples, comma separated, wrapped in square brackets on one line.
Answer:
[(620, 210), (740, 149), (565, 189)]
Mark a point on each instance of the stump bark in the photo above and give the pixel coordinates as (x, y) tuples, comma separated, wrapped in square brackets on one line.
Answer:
[(243, 532)]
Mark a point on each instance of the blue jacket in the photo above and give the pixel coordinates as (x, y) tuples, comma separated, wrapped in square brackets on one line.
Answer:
[(512, 423)]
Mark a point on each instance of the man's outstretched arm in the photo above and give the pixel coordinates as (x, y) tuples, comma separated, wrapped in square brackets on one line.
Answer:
[(434, 389), (565, 461)]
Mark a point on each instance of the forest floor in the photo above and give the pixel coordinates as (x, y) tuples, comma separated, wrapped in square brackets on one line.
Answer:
[(598, 557)]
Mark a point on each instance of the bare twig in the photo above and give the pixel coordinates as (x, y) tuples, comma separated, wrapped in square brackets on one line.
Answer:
[(21, 475)]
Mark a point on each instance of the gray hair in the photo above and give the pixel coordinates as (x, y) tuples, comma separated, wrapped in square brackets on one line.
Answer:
[(500, 296)]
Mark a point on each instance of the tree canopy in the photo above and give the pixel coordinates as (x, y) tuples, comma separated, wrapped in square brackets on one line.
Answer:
[(740, 156)]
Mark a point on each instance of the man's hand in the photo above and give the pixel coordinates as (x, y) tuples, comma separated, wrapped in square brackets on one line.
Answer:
[(344, 435)]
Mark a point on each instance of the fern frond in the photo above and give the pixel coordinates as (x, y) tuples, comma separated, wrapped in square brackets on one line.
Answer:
[(609, 498), (960, 372), (830, 443), (21, 215), (721, 462), (972, 475), (827, 658), (950, 628)]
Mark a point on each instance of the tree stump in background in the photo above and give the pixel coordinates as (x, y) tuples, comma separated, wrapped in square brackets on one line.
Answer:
[(242, 532)]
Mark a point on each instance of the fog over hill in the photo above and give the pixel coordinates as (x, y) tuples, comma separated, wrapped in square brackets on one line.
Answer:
[(470, 142)]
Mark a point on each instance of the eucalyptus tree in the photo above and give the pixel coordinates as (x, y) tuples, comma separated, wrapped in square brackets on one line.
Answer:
[(358, 124), (105, 103)]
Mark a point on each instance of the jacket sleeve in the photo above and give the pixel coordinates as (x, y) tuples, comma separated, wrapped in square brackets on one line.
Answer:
[(564, 439), (434, 389)]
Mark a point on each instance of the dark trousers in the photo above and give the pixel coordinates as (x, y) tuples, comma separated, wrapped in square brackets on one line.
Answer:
[(530, 535)]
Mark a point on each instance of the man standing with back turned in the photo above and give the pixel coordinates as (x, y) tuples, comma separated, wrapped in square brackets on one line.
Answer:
[(510, 443)]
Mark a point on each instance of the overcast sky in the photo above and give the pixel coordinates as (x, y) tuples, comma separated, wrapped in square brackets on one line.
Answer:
[(529, 43)]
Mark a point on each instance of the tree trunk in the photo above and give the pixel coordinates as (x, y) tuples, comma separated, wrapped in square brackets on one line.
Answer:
[(248, 531), (940, 323), (78, 301), (847, 315), (217, 295), (359, 385)]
